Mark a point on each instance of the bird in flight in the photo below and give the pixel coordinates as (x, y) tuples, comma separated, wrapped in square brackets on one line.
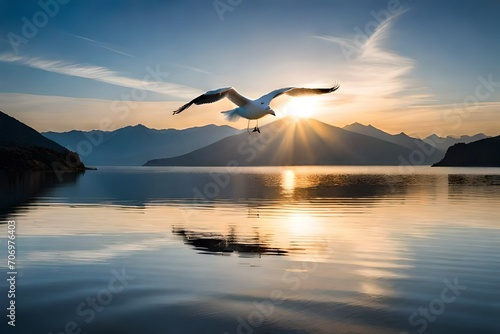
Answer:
[(251, 109)]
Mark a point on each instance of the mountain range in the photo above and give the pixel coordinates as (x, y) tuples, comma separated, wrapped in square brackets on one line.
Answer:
[(401, 139), (135, 145), (304, 142), (24, 148), (440, 143), (443, 143)]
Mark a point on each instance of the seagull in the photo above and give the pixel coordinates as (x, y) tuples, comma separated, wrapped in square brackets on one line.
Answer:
[(251, 109)]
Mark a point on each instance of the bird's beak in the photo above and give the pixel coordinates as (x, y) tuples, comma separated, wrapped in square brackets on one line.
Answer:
[(271, 112)]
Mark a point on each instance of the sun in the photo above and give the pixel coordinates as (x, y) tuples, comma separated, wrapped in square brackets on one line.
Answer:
[(300, 107)]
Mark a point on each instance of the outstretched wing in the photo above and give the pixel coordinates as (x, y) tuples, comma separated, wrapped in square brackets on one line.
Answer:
[(311, 91), (214, 96), (295, 91)]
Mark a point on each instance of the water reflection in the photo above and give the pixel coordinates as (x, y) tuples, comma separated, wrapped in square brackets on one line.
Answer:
[(19, 189), (359, 251), (138, 187), (474, 180)]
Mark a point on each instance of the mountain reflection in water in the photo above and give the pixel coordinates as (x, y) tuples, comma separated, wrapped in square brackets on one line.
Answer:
[(19, 189)]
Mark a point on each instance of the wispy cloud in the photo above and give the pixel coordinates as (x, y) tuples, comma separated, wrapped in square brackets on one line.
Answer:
[(106, 46), (103, 74), (375, 78), (341, 41), (194, 69)]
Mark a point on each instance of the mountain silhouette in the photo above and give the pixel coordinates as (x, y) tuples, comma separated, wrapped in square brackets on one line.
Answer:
[(24, 148), (481, 153), (135, 145), (443, 143), (433, 153), (369, 130), (287, 142)]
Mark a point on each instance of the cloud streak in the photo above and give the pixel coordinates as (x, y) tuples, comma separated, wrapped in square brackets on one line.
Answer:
[(377, 89), (374, 78), (103, 74), (194, 69), (103, 45)]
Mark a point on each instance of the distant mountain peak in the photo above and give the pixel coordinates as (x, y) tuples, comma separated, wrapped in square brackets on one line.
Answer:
[(358, 125), (138, 127), (401, 139), (443, 143), (133, 145)]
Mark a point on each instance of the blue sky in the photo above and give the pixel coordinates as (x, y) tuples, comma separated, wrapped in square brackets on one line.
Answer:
[(402, 65)]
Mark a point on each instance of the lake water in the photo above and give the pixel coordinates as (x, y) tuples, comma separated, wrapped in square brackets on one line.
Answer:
[(257, 250)]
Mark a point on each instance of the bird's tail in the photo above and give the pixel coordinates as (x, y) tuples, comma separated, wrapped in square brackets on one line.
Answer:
[(231, 115)]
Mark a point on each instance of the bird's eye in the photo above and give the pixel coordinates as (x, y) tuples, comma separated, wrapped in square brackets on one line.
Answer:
[(262, 103)]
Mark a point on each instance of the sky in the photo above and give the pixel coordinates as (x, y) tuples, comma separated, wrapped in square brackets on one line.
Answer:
[(413, 66)]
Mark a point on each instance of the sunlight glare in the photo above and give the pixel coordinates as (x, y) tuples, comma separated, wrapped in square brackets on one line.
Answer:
[(301, 224), (301, 107)]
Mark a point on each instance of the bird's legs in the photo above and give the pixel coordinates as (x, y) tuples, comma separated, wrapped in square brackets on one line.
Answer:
[(256, 129)]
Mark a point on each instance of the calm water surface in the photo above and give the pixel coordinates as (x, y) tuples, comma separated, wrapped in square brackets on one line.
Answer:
[(262, 250)]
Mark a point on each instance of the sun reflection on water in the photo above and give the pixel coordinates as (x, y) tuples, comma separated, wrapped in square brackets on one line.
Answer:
[(288, 182)]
